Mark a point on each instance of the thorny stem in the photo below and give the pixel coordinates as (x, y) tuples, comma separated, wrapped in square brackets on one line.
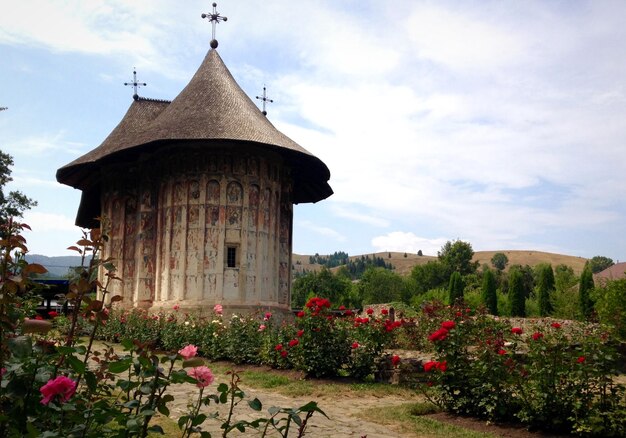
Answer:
[(194, 414)]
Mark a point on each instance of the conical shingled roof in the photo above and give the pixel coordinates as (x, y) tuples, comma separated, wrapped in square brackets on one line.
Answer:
[(211, 107)]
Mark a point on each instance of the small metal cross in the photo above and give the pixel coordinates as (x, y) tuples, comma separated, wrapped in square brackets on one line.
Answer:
[(2, 108), (264, 99), (135, 84), (214, 18)]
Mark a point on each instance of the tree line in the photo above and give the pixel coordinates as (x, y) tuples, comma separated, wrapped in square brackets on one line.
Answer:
[(503, 289)]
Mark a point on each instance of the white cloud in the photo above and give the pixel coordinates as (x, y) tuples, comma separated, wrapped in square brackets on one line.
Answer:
[(401, 241), (41, 222), (344, 211), (323, 231)]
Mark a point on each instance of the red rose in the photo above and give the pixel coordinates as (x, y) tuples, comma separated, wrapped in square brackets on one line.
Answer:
[(369, 311), (293, 342), (300, 333), (442, 366), (395, 360), (448, 325), (300, 314), (501, 352), (516, 330), (384, 312), (581, 359), (283, 353), (355, 345), (556, 325), (342, 307), (429, 366), (439, 335), (348, 312), (278, 347), (53, 314), (537, 336), (38, 317)]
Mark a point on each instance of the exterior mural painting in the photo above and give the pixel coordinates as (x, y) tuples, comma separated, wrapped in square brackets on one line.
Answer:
[(199, 195)]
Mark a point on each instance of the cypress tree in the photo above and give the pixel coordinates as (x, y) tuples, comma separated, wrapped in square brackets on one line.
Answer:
[(489, 294), (545, 288), (584, 292), (455, 288), (516, 294)]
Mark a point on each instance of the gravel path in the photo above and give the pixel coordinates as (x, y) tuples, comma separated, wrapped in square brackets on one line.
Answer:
[(343, 413)]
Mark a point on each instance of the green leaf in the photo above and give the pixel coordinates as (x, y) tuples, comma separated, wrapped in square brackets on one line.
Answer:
[(163, 410), (182, 421), (193, 362), (222, 387), (131, 404), (255, 404), (205, 434), (77, 365), (199, 419), (156, 429), (120, 366), (273, 410), (20, 346), (92, 381), (223, 397)]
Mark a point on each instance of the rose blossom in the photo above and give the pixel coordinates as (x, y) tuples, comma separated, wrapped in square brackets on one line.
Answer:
[(300, 314), (283, 353), (218, 309), (293, 342), (370, 311), (556, 325), (53, 314), (268, 315), (261, 328), (300, 333), (439, 335), (355, 345), (395, 360), (188, 352), (448, 325), (278, 347), (203, 375), (537, 336), (516, 330), (62, 386), (581, 359)]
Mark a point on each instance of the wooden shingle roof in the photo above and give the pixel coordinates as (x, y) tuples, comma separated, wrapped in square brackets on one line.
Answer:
[(211, 109)]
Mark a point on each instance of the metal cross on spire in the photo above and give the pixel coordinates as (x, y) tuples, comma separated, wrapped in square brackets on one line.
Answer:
[(265, 99), (135, 84), (214, 18), (2, 108)]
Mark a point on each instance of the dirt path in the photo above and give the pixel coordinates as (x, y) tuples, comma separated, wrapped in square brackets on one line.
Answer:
[(343, 413)]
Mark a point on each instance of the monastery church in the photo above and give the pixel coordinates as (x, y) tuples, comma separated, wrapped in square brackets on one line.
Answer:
[(197, 197)]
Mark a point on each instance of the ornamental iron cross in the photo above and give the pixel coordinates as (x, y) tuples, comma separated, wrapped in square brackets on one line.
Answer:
[(214, 18), (265, 99), (135, 84)]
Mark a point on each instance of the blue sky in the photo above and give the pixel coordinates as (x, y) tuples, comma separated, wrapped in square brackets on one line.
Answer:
[(498, 123)]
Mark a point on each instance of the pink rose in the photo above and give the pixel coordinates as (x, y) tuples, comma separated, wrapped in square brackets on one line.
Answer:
[(268, 315), (203, 375), (262, 327), (62, 386), (188, 352), (218, 309)]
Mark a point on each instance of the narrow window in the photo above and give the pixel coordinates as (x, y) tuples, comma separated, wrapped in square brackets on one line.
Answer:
[(231, 257)]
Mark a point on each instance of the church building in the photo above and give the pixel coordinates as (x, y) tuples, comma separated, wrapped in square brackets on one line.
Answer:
[(197, 197)]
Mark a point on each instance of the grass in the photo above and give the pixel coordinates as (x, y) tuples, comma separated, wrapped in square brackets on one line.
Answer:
[(410, 418)]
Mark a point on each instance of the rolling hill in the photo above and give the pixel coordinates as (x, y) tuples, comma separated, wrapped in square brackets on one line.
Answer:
[(403, 265)]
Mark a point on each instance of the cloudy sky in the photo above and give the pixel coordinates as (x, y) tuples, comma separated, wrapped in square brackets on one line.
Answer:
[(501, 123)]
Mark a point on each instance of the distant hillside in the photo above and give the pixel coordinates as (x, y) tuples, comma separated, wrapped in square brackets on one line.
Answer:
[(56, 266), (532, 258), (404, 265)]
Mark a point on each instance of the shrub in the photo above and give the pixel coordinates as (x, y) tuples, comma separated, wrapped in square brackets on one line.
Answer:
[(489, 292), (324, 345), (611, 306)]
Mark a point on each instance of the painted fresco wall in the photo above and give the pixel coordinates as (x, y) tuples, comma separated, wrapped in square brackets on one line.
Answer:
[(172, 221)]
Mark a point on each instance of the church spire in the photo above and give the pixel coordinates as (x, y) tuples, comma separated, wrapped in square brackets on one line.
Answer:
[(214, 18)]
